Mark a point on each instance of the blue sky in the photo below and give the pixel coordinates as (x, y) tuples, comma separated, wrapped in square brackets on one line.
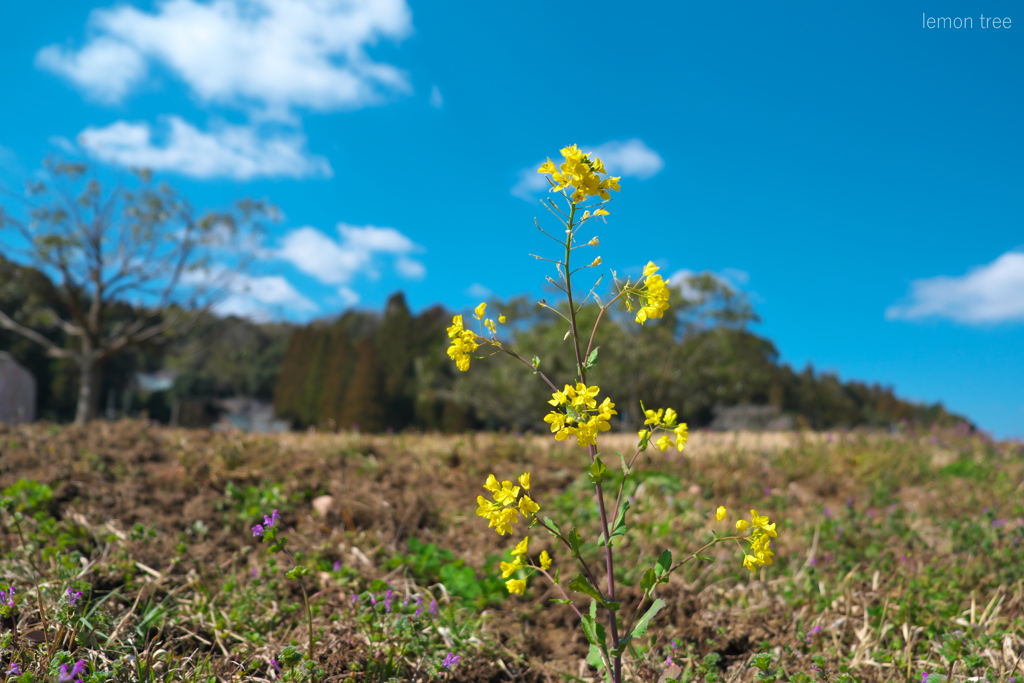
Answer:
[(859, 175)]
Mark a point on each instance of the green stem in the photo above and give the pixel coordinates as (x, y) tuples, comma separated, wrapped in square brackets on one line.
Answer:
[(309, 618), (613, 626)]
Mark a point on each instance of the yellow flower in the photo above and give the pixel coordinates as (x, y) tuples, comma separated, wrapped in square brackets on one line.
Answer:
[(720, 513), (522, 547), (581, 172), (508, 568), (489, 324), (663, 442), (503, 520), (545, 560), (750, 562), (456, 327), (486, 508), (501, 319), (653, 417), (653, 296), (492, 484), (524, 481), (507, 494), (742, 525), (670, 417), (516, 586), (527, 506), (682, 435), (478, 312)]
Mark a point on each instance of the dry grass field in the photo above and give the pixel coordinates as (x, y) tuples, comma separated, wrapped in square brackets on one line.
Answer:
[(898, 555)]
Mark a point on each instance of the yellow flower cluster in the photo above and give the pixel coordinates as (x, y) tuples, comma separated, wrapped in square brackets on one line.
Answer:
[(761, 535), (665, 419), (478, 313), (581, 172), (582, 418), (654, 297), (509, 568), (463, 343), (507, 505)]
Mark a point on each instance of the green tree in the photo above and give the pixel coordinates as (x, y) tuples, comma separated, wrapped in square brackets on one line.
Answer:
[(143, 245)]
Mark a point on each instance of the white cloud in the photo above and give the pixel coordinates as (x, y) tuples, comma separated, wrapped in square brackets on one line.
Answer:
[(991, 293), (263, 298), (436, 100), (237, 152), (478, 291), (105, 68), (274, 54), (63, 144), (348, 297), (734, 278), (339, 262), (410, 269), (626, 158)]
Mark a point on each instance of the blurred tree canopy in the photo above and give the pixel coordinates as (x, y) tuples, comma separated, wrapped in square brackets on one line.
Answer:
[(124, 266), (389, 371)]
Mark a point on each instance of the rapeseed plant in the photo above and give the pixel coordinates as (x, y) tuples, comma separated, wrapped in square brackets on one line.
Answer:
[(584, 185)]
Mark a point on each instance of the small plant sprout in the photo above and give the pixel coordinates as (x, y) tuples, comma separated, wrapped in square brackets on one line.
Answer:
[(578, 412)]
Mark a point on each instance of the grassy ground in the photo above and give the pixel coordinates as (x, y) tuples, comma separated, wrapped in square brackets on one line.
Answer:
[(897, 555)]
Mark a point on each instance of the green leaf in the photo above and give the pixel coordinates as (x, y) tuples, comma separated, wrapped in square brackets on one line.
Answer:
[(664, 563), (704, 558), (557, 531), (581, 585), (640, 630), (297, 573), (594, 657), (591, 359), (619, 528), (590, 630), (648, 581), (597, 471), (575, 542), (625, 468), (560, 601)]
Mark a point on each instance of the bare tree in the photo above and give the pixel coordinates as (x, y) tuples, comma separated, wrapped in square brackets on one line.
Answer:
[(139, 244)]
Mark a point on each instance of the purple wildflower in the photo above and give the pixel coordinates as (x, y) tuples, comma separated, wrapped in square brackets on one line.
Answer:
[(433, 607), (997, 523), (417, 613), (387, 600), (15, 669), (277, 666), (73, 597), (827, 512), (271, 519), (69, 676), (668, 662), (450, 661), (924, 677), (355, 599), (7, 597), (373, 600), (257, 531), (337, 565)]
